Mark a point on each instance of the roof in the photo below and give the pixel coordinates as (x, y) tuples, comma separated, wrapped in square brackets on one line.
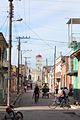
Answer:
[(74, 21), (2, 40), (75, 54)]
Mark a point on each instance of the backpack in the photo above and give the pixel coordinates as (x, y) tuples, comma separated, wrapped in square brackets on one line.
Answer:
[(64, 93)]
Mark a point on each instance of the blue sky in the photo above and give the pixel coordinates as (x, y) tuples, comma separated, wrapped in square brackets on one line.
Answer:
[(44, 21)]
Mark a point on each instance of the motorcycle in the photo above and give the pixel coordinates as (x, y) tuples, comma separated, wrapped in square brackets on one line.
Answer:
[(11, 114)]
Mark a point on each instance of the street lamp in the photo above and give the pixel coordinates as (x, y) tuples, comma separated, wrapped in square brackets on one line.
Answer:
[(20, 19)]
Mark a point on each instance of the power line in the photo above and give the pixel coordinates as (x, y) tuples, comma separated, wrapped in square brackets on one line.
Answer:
[(3, 23), (38, 36), (49, 40), (68, 1)]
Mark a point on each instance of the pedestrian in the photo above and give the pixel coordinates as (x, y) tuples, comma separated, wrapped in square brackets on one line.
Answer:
[(56, 88), (31, 86), (36, 93), (71, 92), (25, 88)]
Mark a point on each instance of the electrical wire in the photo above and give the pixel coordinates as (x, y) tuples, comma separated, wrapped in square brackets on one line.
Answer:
[(50, 40), (64, 1), (3, 23), (38, 36), (6, 29)]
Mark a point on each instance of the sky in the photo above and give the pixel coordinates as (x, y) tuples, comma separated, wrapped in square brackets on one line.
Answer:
[(44, 21)]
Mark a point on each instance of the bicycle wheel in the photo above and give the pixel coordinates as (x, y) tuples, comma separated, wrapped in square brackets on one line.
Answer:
[(66, 105), (18, 116), (53, 105)]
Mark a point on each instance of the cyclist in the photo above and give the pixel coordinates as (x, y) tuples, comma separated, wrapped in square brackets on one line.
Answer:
[(66, 93), (61, 95)]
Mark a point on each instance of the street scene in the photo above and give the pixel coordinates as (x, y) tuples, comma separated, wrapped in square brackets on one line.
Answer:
[(41, 110), (40, 60)]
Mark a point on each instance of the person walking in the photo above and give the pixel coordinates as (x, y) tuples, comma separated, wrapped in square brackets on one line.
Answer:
[(25, 88), (36, 93)]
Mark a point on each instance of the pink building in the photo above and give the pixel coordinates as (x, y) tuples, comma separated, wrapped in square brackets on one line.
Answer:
[(66, 79)]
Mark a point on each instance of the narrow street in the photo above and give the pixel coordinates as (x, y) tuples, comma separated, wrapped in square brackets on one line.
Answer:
[(27, 100), (41, 111)]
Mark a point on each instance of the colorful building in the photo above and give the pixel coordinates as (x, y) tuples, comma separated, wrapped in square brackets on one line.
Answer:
[(75, 45), (76, 57)]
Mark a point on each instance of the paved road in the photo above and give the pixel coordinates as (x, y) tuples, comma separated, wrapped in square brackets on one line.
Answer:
[(49, 115), (41, 111), (27, 100)]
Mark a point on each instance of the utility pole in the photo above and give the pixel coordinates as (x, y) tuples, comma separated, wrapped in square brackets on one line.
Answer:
[(18, 65), (54, 66), (21, 71), (10, 45), (47, 70), (26, 65), (19, 48)]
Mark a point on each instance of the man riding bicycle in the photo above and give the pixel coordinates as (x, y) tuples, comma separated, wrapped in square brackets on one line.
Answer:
[(63, 94)]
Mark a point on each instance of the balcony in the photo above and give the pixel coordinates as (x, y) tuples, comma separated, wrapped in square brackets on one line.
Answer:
[(72, 72)]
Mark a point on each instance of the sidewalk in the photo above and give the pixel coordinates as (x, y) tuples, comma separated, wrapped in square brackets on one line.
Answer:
[(74, 106), (13, 98)]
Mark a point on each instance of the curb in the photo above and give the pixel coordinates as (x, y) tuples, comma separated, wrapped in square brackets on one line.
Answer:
[(16, 99), (3, 107), (75, 107)]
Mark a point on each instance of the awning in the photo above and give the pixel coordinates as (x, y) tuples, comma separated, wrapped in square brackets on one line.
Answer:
[(75, 54), (73, 73), (74, 21)]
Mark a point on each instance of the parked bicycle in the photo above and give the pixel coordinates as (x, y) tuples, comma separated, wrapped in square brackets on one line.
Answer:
[(11, 114), (63, 104)]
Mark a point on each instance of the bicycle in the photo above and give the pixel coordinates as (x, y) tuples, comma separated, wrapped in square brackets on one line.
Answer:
[(63, 104), (11, 114)]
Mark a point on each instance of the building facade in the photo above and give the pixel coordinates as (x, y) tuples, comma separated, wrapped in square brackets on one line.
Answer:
[(3, 66)]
